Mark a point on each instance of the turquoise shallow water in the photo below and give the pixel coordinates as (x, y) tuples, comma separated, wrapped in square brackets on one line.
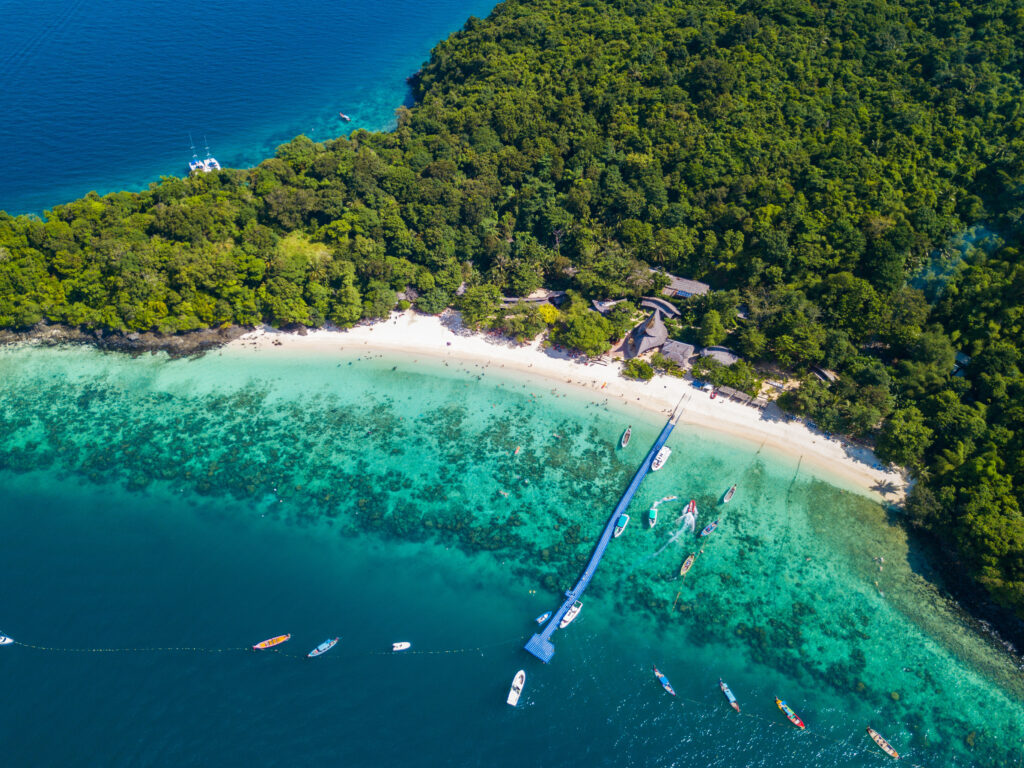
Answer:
[(211, 503)]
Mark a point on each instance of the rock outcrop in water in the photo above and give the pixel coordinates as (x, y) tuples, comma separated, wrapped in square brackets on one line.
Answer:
[(175, 345)]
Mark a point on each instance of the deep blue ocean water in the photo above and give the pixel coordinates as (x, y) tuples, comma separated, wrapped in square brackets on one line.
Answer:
[(102, 96)]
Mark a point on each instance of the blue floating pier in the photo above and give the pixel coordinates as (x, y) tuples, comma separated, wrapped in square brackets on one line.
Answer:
[(540, 644)]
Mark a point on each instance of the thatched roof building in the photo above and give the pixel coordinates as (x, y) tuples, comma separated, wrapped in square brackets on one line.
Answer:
[(678, 352), (649, 335)]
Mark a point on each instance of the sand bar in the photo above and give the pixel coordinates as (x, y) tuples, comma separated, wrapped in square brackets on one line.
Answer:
[(848, 465)]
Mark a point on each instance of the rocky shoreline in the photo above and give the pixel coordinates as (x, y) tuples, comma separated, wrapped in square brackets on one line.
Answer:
[(184, 344)]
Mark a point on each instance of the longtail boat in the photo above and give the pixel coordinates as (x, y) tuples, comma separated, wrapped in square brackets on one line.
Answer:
[(625, 436), (885, 745), (271, 642), (729, 494), (789, 713), (728, 694), (664, 681), (709, 529), (687, 564), (323, 648)]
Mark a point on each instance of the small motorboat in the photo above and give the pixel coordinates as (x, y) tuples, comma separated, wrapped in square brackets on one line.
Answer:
[(271, 642), (403, 646), (729, 494), (570, 615), (345, 117), (323, 648), (664, 681), (687, 564), (661, 458), (625, 436), (728, 694), (517, 687), (652, 517), (620, 525), (789, 713), (885, 745), (543, 617), (5, 640), (709, 529)]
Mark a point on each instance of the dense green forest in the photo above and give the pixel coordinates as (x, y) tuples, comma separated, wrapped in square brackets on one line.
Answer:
[(849, 176)]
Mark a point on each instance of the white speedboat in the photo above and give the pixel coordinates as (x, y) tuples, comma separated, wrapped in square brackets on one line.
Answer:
[(661, 458), (620, 525), (5, 640), (517, 687), (401, 646), (571, 614)]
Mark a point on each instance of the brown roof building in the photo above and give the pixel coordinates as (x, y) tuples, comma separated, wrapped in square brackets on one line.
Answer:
[(678, 352), (680, 287)]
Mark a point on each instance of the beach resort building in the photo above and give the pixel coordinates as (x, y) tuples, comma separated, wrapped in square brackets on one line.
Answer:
[(647, 336), (679, 352), (723, 355), (681, 287)]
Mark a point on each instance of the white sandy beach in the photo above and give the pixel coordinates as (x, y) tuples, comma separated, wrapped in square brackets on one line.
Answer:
[(850, 466)]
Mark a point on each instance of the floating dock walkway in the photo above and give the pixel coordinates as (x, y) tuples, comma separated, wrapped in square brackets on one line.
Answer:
[(540, 644)]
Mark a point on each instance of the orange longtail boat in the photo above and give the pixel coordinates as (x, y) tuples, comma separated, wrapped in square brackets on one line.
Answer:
[(270, 643)]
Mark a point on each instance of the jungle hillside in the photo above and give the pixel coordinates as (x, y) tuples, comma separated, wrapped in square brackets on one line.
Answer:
[(848, 176)]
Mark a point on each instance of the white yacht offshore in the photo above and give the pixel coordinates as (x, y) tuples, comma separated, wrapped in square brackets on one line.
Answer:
[(195, 165)]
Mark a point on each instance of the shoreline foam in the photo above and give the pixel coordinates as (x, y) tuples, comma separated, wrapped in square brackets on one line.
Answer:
[(835, 460)]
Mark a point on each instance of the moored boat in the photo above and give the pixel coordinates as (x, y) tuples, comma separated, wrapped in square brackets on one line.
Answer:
[(271, 642), (345, 117), (664, 681), (652, 517), (789, 713), (323, 648), (620, 525), (570, 615), (661, 458), (5, 640), (403, 646), (729, 494), (709, 529), (517, 687), (625, 436), (210, 164), (687, 564), (195, 164), (728, 694), (543, 617), (885, 745)]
